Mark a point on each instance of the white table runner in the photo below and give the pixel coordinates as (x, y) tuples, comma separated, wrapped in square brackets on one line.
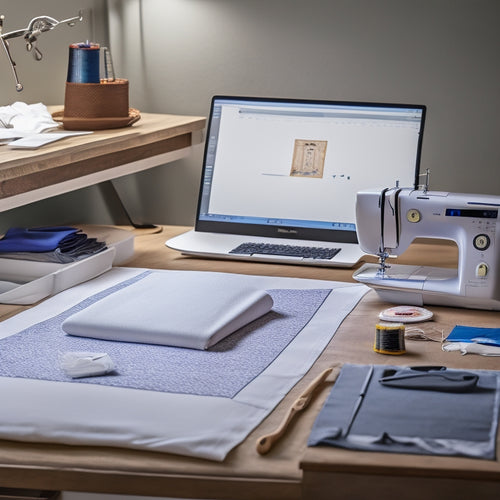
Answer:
[(200, 426)]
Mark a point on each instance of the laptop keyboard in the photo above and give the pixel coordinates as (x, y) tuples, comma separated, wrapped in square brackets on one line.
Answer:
[(286, 250)]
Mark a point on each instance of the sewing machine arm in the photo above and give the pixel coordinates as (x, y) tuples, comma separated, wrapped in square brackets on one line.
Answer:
[(389, 220)]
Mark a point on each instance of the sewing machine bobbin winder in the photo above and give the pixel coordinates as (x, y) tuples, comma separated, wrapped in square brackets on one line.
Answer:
[(389, 220)]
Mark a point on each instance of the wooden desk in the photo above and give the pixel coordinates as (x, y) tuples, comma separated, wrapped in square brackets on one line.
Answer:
[(290, 471), (76, 162)]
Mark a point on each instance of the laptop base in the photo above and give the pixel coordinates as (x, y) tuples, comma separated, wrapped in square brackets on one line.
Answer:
[(219, 246)]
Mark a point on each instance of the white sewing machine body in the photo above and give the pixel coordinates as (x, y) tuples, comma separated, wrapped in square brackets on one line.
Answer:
[(388, 221)]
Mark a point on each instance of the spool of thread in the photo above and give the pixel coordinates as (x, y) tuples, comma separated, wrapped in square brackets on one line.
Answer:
[(83, 64), (389, 338)]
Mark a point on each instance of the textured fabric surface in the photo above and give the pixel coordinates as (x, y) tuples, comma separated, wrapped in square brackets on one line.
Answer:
[(198, 426), (194, 311), (49, 244), (20, 239), (489, 336), (221, 371), (404, 420)]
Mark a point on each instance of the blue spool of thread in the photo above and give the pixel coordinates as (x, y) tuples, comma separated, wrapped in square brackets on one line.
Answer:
[(83, 66)]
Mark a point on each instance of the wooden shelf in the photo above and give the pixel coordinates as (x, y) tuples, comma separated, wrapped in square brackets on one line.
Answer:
[(75, 162)]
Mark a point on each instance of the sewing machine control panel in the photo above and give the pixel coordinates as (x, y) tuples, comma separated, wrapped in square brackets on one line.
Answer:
[(413, 215), (481, 233), (483, 225), (481, 242), (482, 270)]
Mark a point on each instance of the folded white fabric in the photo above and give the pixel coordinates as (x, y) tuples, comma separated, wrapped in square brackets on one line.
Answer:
[(27, 118), (472, 348), (86, 364), (193, 310)]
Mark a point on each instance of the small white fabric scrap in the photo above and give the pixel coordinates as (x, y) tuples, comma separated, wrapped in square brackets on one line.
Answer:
[(27, 118), (86, 364), (472, 348)]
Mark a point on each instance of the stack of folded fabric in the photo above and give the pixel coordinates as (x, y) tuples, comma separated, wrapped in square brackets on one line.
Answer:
[(27, 118), (60, 245)]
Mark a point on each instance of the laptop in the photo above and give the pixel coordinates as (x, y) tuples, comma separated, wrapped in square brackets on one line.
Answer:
[(280, 176)]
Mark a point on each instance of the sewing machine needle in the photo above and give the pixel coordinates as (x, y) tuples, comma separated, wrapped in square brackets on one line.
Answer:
[(360, 399)]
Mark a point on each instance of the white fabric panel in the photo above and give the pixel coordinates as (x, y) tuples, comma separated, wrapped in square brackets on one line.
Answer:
[(199, 426), (194, 311)]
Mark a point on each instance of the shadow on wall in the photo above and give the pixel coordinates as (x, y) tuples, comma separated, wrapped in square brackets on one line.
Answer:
[(177, 54)]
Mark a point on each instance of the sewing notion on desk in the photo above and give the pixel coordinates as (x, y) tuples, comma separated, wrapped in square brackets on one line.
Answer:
[(71, 456)]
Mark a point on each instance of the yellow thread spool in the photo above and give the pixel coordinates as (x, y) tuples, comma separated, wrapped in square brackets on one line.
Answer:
[(389, 338)]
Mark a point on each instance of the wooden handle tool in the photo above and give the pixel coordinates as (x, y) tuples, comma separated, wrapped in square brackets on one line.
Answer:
[(266, 442)]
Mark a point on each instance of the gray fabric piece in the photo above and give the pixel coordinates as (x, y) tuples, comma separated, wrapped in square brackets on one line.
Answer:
[(402, 420), (431, 379), (223, 370)]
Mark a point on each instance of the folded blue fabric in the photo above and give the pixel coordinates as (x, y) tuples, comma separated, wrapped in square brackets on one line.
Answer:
[(45, 239), (60, 245), (489, 336)]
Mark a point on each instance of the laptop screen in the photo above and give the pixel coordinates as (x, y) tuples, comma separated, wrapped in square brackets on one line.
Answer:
[(292, 168)]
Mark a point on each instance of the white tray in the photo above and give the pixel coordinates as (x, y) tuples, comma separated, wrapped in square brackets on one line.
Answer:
[(26, 282)]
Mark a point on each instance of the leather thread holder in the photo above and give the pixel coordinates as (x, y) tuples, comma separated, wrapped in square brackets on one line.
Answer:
[(96, 106)]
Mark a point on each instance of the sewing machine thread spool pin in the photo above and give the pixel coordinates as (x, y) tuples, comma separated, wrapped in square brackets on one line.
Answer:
[(425, 186), (109, 71)]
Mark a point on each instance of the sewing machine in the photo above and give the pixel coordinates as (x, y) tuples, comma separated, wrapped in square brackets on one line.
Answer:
[(389, 220)]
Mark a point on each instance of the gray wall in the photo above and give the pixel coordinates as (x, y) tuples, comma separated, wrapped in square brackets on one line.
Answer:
[(44, 82), (178, 53), (442, 53)]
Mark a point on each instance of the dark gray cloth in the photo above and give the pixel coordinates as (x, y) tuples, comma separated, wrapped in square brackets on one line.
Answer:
[(410, 420), (430, 379)]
